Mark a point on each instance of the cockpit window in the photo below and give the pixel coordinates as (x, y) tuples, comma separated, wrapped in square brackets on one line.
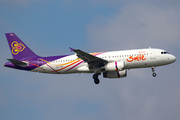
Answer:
[(164, 52)]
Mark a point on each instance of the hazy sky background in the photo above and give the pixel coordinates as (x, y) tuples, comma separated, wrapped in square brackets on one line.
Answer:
[(50, 27)]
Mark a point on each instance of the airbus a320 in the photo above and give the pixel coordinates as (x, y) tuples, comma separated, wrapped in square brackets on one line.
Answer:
[(113, 64)]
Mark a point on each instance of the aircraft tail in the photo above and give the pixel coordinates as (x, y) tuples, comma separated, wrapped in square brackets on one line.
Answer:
[(18, 49)]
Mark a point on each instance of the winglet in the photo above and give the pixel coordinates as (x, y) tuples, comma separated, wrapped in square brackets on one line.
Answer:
[(71, 49)]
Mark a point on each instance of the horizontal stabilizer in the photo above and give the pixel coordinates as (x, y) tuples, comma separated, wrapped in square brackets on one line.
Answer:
[(18, 63)]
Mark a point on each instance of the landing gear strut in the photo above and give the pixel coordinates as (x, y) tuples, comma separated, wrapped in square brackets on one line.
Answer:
[(154, 74), (96, 79)]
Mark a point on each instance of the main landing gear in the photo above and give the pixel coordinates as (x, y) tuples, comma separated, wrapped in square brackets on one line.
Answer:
[(154, 74), (96, 79)]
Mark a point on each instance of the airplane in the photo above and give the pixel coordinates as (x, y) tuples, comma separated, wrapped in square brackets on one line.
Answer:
[(113, 64)]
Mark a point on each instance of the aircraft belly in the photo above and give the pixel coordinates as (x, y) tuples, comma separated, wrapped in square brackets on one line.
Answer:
[(136, 64)]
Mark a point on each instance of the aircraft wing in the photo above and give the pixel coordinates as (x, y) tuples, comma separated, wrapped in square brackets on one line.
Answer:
[(92, 60)]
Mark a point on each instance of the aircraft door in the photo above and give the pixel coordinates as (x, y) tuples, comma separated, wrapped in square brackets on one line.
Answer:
[(152, 54)]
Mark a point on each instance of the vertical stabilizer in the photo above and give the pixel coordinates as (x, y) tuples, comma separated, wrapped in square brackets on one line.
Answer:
[(18, 49)]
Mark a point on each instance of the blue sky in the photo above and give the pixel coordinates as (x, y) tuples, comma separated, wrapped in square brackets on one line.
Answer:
[(51, 27)]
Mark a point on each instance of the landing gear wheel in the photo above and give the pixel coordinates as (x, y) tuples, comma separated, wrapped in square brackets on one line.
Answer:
[(95, 76), (154, 74), (96, 79)]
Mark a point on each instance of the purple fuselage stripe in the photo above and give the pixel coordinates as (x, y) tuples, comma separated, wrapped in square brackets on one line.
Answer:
[(117, 70), (74, 66), (51, 68)]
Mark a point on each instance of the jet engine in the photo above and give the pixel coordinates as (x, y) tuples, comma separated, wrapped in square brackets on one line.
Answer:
[(114, 66), (115, 74)]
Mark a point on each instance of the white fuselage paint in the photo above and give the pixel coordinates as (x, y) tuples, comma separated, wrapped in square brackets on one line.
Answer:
[(138, 58)]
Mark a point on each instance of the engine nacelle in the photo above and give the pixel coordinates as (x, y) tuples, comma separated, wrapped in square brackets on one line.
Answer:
[(114, 66), (115, 74)]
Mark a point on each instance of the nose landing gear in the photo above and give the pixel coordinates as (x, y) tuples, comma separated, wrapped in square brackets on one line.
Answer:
[(96, 79), (154, 74)]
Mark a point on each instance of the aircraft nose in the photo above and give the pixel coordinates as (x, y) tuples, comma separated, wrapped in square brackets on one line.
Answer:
[(173, 58)]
